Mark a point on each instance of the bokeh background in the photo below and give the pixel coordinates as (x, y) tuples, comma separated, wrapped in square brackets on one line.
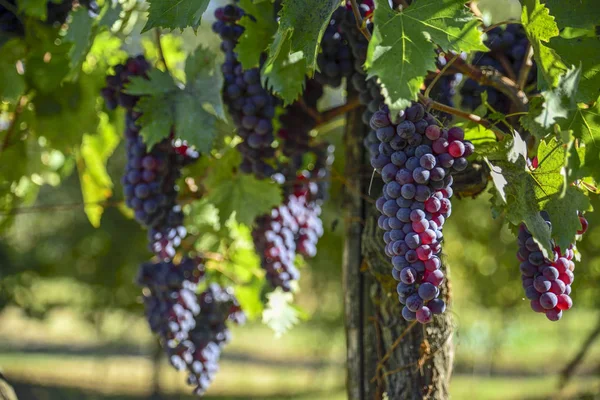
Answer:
[(72, 326)]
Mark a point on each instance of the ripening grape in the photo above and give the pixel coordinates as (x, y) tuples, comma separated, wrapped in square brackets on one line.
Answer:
[(416, 201), (547, 281)]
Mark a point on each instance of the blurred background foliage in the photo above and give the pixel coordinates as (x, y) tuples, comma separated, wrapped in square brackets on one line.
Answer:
[(72, 326)]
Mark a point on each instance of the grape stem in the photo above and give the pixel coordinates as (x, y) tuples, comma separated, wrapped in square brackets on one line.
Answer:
[(490, 77), (527, 65), (359, 21), (429, 103), (21, 102), (331, 114), (438, 75), (161, 53), (497, 24)]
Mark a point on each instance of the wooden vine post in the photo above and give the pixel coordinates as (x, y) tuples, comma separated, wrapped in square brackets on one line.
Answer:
[(386, 355)]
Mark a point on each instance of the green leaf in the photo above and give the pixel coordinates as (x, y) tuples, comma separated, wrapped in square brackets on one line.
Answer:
[(70, 111), (192, 110), (575, 14), (158, 83), (541, 27), (584, 51), (33, 8), (584, 123), (12, 83), (259, 28), (111, 13), (231, 191), (529, 123), (175, 14), (561, 100), (403, 46), (80, 33), (47, 63), (280, 314), (286, 76), (301, 28), (96, 185)]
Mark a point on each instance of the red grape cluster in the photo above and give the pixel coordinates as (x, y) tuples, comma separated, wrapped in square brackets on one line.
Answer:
[(291, 228), (192, 327), (547, 281), (416, 158), (149, 182)]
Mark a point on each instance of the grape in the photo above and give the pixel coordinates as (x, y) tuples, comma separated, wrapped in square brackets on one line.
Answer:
[(437, 306), (250, 105), (335, 61), (548, 282), (420, 211), (192, 327), (408, 315)]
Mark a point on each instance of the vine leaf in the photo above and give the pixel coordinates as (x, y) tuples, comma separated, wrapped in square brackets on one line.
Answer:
[(403, 45), (540, 27), (280, 313), (516, 194), (259, 28), (175, 14), (193, 110), (285, 76), (12, 84), (96, 184), (528, 121), (297, 39), (232, 192), (561, 100), (583, 14), (584, 51), (80, 33), (33, 8)]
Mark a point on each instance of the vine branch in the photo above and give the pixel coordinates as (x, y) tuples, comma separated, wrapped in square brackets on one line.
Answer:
[(496, 80), (331, 114), (161, 53), (359, 20), (429, 103), (525, 68)]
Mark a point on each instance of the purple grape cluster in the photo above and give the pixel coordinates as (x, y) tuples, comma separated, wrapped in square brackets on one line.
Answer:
[(445, 88), (56, 13), (149, 182), (416, 158), (508, 49), (547, 281), (252, 107), (192, 327), (335, 60), (369, 92)]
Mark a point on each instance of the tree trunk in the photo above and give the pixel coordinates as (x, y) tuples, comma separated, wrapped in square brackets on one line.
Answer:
[(386, 356)]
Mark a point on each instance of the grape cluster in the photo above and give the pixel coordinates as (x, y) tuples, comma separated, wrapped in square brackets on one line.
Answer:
[(291, 228), (335, 60), (56, 12), (192, 327), (295, 126), (149, 182), (252, 107), (369, 92), (508, 49), (547, 282), (416, 159)]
